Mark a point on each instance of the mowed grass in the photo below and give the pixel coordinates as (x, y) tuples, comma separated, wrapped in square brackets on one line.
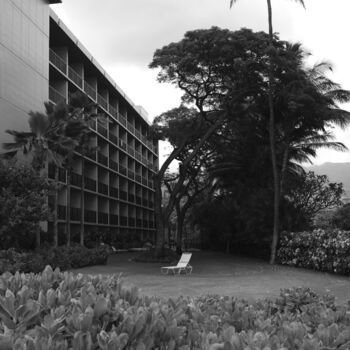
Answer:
[(219, 273)]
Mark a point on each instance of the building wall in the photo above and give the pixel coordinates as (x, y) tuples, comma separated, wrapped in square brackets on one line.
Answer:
[(110, 190), (24, 50)]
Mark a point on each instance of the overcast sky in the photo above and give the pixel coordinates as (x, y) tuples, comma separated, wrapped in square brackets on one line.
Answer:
[(123, 34)]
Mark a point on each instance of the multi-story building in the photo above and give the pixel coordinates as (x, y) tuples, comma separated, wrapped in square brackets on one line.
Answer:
[(41, 60)]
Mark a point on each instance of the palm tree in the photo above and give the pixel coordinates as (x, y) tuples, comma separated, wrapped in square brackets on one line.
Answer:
[(276, 175), (80, 113), (46, 143)]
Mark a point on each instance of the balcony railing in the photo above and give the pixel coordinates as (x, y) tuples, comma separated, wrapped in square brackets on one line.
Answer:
[(90, 216), (131, 174), (138, 156), (75, 214), (122, 120), (90, 184), (138, 178), (113, 138), (91, 155), (113, 165), (122, 144), (74, 76), (55, 96), (75, 179), (103, 188), (113, 192), (123, 221), (113, 111), (138, 134), (62, 175), (102, 218), (61, 212), (90, 90), (123, 195), (130, 127), (130, 150), (113, 219), (102, 130), (102, 159), (122, 169), (102, 101), (57, 61)]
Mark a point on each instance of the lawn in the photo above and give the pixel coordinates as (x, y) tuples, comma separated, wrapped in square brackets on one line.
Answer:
[(218, 273)]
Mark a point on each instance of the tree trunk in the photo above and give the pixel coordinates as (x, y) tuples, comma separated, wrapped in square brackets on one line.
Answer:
[(37, 240), (55, 214), (82, 203), (179, 229), (276, 180), (68, 228), (158, 212)]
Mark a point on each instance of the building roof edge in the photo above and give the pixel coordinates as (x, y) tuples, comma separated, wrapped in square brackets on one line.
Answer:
[(140, 111)]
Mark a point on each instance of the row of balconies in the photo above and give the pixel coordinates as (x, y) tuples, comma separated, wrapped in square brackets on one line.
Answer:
[(106, 190), (76, 178), (56, 97), (129, 150), (78, 80), (91, 216)]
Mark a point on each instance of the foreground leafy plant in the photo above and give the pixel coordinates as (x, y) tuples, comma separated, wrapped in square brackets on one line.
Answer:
[(61, 311)]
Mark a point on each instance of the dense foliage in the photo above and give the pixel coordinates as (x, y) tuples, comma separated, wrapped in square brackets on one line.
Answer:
[(308, 195), (323, 250), (341, 217), (62, 257), (55, 310), (23, 204)]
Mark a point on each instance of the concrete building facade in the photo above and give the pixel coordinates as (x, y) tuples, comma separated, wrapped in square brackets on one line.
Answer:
[(41, 60)]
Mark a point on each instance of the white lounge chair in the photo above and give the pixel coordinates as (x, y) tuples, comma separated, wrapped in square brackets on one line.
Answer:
[(182, 265)]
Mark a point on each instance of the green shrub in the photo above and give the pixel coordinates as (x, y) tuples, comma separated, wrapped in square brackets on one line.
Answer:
[(62, 257), (23, 204), (62, 311), (323, 250)]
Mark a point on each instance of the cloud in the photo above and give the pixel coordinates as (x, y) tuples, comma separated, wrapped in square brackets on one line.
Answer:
[(123, 35)]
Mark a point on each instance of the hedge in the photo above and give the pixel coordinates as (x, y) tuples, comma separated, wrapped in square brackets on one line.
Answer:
[(322, 250), (61, 311), (62, 257)]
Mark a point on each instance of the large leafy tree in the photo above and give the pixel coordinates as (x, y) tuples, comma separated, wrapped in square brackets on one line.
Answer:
[(276, 175), (218, 71), (308, 103)]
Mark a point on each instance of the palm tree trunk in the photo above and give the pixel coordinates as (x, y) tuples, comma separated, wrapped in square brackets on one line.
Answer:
[(276, 180), (55, 209), (82, 201), (68, 228)]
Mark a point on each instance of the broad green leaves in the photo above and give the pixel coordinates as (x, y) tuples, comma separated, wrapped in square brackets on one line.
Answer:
[(62, 311)]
